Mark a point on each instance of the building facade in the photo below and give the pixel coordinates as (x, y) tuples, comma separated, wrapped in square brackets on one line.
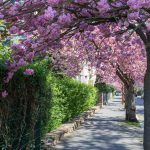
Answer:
[(87, 75)]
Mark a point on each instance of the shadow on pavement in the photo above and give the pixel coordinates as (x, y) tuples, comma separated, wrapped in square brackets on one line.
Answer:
[(108, 139), (102, 132)]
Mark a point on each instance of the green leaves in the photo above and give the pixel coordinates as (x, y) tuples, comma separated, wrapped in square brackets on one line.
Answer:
[(3, 30), (4, 52), (103, 87), (58, 97), (69, 99)]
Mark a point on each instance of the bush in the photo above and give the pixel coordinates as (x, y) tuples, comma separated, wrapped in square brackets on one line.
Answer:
[(42, 101), (104, 88), (69, 99), (140, 92), (28, 97)]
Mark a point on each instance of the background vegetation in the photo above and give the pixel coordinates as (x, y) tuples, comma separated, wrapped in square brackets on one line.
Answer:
[(104, 88)]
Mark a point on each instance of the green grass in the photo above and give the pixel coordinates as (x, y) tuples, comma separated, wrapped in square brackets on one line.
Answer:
[(132, 124), (136, 124)]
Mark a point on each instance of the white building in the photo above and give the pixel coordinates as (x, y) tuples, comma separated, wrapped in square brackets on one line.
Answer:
[(87, 75)]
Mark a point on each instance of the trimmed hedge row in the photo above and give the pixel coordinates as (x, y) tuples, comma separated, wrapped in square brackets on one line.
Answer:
[(69, 99), (105, 88), (42, 101), (29, 97)]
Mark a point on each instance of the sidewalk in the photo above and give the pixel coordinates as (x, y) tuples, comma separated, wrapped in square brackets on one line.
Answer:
[(105, 131), (140, 110)]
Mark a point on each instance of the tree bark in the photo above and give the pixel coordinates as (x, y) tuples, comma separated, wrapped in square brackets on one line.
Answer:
[(145, 36), (129, 95), (147, 104), (123, 96), (130, 103)]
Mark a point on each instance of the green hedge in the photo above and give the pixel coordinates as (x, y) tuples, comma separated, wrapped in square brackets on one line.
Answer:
[(28, 97), (69, 99), (105, 88), (53, 98)]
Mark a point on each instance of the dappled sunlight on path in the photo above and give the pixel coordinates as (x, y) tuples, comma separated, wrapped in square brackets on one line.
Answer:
[(140, 110), (106, 130)]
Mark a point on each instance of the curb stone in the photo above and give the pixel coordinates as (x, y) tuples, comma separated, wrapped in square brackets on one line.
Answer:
[(52, 138)]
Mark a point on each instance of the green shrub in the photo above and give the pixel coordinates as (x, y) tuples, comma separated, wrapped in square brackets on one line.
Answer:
[(53, 99), (28, 97), (69, 99), (140, 91), (105, 88)]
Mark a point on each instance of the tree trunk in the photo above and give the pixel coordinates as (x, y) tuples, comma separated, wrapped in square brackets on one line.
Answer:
[(123, 96), (130, 103), (129, 94), (147, 104)]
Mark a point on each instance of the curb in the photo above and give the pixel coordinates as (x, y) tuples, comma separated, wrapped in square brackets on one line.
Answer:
[(52, 138)]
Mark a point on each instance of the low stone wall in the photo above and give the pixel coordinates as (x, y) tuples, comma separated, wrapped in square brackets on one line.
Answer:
[(52, 138)]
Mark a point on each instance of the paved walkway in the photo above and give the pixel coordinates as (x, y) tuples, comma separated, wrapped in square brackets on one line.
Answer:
[(106, 130), (140, 110)]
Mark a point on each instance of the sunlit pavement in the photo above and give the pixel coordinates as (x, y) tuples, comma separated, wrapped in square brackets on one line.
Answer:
[(106, 130), (140, 110)]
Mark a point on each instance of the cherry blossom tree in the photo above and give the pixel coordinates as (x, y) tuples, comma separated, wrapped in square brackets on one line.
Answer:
[(44, 23), (113, 57)]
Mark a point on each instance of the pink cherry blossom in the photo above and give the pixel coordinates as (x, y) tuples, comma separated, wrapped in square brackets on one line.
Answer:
[(1, 16), (14, 30), (21, 62), (4, 94), (64, 19), (103, 6), (50, 13), (53, 2), (29, 72)]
